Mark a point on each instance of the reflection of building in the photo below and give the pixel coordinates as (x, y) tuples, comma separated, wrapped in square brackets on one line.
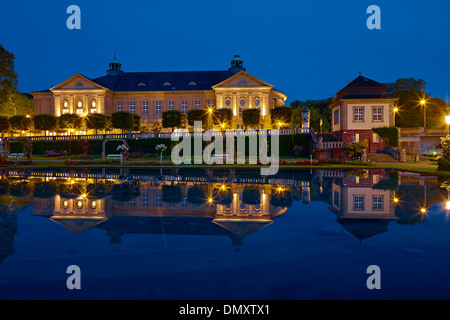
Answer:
[(187, 208), (362, 205)]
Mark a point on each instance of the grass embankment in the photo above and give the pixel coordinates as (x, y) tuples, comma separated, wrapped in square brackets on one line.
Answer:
[(153, 162)]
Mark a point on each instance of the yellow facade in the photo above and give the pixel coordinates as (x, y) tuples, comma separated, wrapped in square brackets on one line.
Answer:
[(238, 91)]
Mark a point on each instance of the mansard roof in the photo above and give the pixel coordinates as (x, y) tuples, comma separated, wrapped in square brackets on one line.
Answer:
[(364, 88), (163, 81)]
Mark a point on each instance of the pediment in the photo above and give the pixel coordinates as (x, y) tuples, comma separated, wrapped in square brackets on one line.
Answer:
[(78, 82), (242, 80), (77, 225)]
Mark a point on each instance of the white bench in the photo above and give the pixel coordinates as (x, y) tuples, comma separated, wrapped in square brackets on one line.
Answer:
[(114, 156), (220, 155), (16, 155)]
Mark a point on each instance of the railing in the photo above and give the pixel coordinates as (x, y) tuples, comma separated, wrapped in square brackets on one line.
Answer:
[(166, 135), (421, 131), (331, 144)]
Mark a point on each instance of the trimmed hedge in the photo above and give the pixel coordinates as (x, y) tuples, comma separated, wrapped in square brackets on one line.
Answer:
[(74, 147)]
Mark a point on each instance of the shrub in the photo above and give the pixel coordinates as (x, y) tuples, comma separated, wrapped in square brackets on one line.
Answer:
[(390, 134)]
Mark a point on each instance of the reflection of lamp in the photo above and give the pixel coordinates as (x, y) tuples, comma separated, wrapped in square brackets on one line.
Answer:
[(447, 205)]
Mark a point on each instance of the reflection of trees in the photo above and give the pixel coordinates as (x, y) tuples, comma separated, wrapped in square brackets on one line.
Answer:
[(251, 195), (44, 190), (223, 196), (126, 191), (8, 228), (20, 189), (99, 189), (281, 197), (172, 194), (4, 187), (71, 190), (196, 195)]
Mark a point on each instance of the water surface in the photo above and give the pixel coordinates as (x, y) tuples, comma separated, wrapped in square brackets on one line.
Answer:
[(223, 234)]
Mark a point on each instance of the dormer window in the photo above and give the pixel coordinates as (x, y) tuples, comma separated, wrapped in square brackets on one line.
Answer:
[(192, 83), (141, 84), (167, 84)]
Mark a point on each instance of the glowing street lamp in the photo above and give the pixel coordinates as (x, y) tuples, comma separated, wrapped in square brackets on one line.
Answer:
[(423, 103), (447, 121), (395, 111)]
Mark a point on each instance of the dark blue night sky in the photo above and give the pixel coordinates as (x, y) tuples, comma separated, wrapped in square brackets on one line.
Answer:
[(307, 49)]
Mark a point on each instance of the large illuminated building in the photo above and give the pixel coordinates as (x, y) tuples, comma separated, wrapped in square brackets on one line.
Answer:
[(148, 94)]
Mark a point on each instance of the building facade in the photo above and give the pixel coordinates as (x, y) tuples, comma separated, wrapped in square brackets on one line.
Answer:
[(148, 94), (360, 106)]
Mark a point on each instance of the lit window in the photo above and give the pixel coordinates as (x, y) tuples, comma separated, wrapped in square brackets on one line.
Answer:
[(377, 202), (145, 200), (80, 104), (376, 137), (356, 137), (133, 107), (336, 116), (377, 114), (358, 202), (358, 114), (158, 107), (184, 107), (145, 107)]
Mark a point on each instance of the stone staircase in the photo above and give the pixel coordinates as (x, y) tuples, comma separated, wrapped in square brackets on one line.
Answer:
[(381, 157)]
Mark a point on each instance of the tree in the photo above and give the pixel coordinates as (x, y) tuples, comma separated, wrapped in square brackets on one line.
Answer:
[(251, 117), (319, 110), (171, 119), (137, 122), (223, 117), (20, 123), (16, 103), (409, 91), (45, 121), (69, 121), (96, 121), (123, 120), (197, 115), (281, 116), (4, 124), (8, 77)]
